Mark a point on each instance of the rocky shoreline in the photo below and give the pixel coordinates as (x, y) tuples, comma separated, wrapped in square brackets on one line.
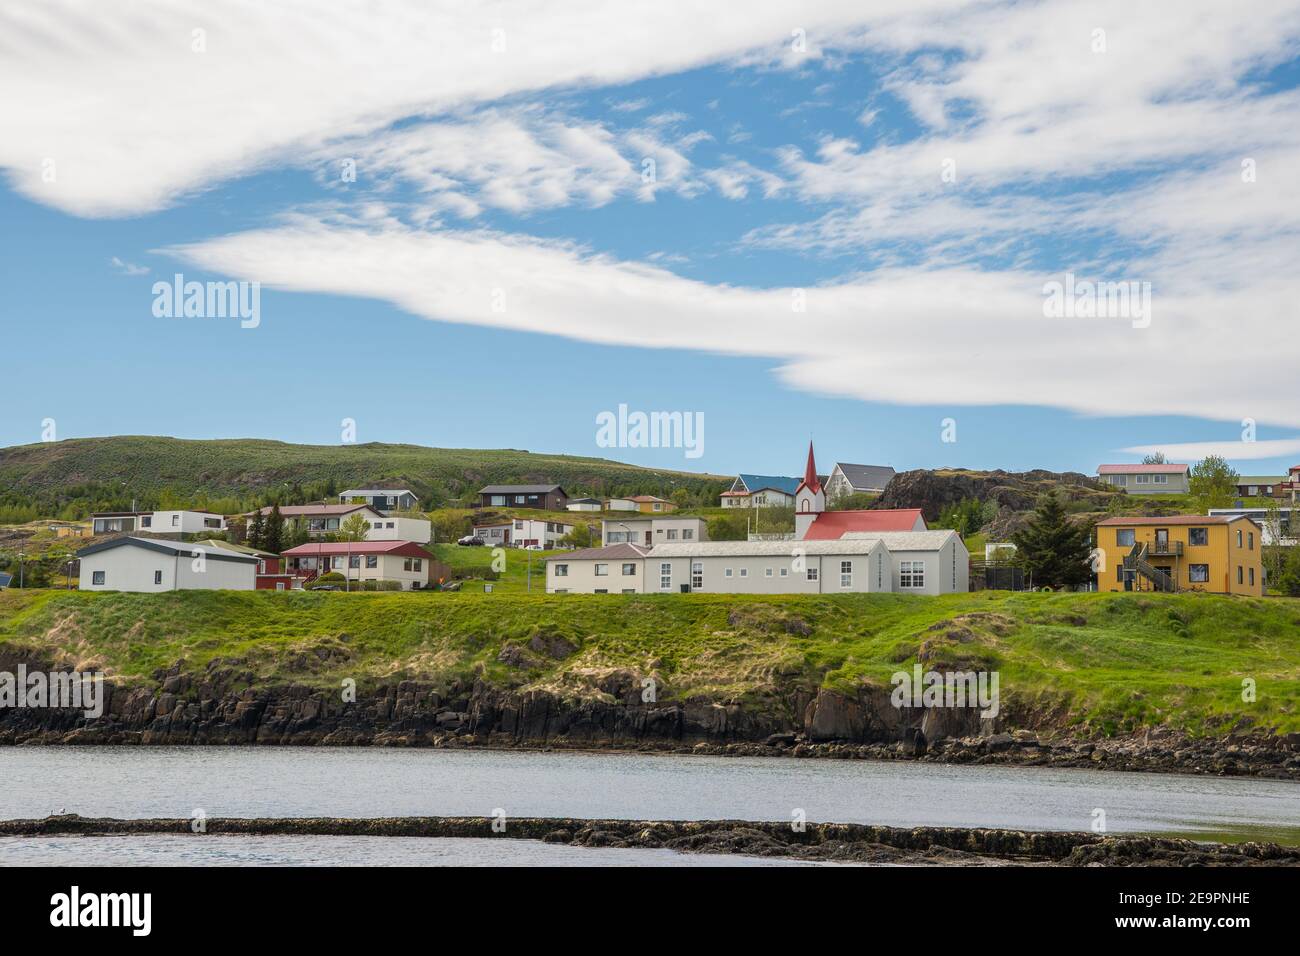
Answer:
[(222, 706), (823, 842)]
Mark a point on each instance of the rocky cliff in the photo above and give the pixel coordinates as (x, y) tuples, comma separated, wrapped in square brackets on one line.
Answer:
[(217, 707)]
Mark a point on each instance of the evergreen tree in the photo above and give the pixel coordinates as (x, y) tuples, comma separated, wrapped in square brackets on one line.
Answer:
[(1052, 548), (257, 531), (273, 536)]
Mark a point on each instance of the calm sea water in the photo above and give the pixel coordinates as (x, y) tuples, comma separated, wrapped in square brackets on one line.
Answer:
[(295, 782)]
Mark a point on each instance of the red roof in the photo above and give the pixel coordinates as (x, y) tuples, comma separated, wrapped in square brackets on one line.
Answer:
[(833, 525), (1165, 469), (810, 480), (407, 549), (312, 511)]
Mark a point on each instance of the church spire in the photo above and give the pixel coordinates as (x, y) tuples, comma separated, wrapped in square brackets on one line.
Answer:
[(810, 474)]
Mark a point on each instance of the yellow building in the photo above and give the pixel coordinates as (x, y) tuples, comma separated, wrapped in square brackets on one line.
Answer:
[(1219, 554)]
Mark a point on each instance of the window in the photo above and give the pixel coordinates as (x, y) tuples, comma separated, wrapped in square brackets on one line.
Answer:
[(372, 561), (697, 575), (354, 561), (1198, 573), (146, 521), (601, 591), (1160, 479), (1198, 537), (812, 574), (561, 570), (1124, 538), (658, 506), (1117, 480), (629, 570), (846, 574), (419, 564), (767, 572), (672, 534), (406, 564), (665, 576), (337, 561), (602, 570), (785, 572), (911, 574), (1239, 573), (629, 590), (1143, 480), (744, 572), (1252, 577), (519, 499), (1250, 536), (560, 591), (212, 522), (688, 534), (727, 573), (176, 521), (1239, 537), (97, 577), (157, 577)]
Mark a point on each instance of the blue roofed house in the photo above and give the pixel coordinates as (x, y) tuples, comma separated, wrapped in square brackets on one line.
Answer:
[(760, 491)]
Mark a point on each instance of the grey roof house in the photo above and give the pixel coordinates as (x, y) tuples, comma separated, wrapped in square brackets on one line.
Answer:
[(849, 479)]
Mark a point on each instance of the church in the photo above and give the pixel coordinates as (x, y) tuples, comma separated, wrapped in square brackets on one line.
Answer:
[(812, 522)]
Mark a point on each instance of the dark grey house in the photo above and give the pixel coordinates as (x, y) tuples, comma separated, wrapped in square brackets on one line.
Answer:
[(382, 500), (546, 497)]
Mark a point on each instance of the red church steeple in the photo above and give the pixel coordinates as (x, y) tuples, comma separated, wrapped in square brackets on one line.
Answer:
[(810, 474)]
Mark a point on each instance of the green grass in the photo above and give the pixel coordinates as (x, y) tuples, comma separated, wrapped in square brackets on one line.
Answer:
[(1096, 662)]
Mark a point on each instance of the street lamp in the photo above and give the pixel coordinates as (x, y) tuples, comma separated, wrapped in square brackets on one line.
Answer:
[(21, 557)]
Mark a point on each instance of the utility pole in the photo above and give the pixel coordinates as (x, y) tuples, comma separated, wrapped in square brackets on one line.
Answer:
[(21, 556)]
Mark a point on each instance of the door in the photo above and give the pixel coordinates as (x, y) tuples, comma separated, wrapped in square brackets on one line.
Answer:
[(1162, 540)]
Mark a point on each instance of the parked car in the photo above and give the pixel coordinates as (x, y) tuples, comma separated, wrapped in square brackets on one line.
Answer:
[(469, 541)]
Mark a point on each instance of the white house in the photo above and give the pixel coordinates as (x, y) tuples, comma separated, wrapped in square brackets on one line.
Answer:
[(924, 562), (169, 523), (1162, 479), (149, 564), (320, 520), (621, 504), (396, 528), (907, 562), (535, 532), (583, 504), (760, 491), (1284, 530), (496, 535), (649, 531), (401, 561), (846, 479), (615, 569), (770, 567)]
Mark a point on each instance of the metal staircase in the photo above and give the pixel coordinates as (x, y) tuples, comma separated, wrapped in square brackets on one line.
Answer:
[(1136, 560)]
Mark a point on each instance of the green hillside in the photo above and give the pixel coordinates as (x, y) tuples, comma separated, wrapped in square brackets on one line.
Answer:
[(70, 478), (1099, 662)]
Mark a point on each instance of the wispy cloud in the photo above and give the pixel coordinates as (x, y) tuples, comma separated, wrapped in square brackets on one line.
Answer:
[(128, 268)]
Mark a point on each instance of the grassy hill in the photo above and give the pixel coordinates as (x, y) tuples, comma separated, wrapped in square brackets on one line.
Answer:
[(1097, 662), (68, 478)]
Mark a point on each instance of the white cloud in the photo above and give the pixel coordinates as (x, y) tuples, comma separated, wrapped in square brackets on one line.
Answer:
[(947, 337), (1231, 450), (127, 268), (109, 110)]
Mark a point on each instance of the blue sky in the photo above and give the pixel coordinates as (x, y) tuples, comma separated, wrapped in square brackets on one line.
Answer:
[(778, 172)]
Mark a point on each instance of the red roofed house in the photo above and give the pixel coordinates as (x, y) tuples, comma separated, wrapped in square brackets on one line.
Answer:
[(812, 522), (1165, 479), (402, 561)]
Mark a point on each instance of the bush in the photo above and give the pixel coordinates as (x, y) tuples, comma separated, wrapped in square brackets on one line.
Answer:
[(332, 578)]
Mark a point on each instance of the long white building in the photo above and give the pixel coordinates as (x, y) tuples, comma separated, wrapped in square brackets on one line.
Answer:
[(149, 564), (905, 562)]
